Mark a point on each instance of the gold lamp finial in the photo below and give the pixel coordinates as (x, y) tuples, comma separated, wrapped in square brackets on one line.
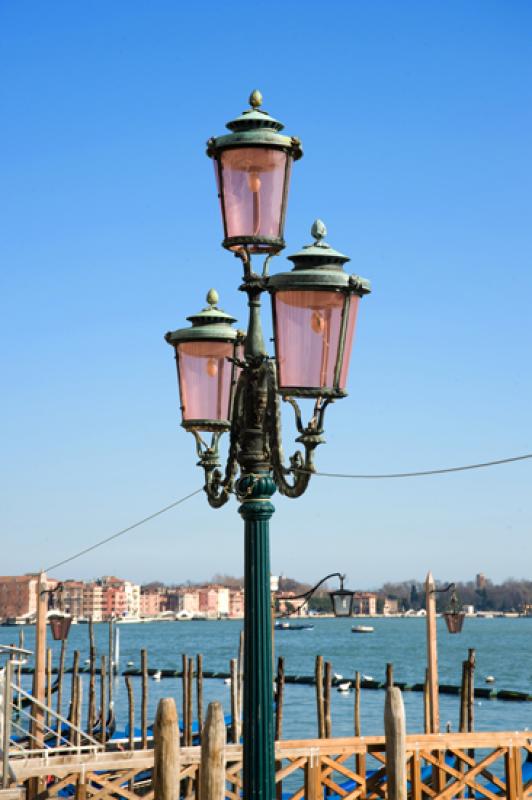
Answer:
[(255, 99)]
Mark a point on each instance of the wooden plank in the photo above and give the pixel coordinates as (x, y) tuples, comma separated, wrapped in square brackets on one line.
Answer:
[(415, 776), (313, 786)]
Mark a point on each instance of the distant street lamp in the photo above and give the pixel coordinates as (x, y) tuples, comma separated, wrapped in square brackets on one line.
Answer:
[(341, 599), (228, 382)]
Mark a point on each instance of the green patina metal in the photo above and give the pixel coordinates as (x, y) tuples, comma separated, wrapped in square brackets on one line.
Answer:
[(255, 128), (210, 323)]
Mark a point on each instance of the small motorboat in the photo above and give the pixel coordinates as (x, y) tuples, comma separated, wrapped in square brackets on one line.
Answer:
[(227, 681), (362, 629), (337, 676), (157, 675), (344, 687), (489, 679), (288, 626), (131, 663), (368, 678)]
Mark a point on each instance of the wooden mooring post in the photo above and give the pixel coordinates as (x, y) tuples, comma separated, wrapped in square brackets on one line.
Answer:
[(166, 751), (432, 654), (212, 764), (395, 733)]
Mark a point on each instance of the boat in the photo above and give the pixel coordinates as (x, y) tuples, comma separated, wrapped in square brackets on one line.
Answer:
[(157, 675), (345, 686), (288, 626), (489, 679), (362, 629)]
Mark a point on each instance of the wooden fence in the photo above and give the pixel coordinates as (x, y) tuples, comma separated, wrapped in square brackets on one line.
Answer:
[(440, 766)]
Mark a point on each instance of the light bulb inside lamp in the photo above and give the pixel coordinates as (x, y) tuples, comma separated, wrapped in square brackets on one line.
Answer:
[(254, 182), (211, 367)]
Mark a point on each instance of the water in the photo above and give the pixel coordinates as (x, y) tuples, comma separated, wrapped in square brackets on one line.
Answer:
[(503, 649)]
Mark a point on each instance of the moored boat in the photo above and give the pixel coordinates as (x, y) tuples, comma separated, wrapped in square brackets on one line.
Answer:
[(362, 629)]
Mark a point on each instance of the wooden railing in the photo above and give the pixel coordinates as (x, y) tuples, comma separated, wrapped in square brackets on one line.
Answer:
[(443, 766)]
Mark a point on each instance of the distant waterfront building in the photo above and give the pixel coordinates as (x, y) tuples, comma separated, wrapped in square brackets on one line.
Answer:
[(365, 603), (72, 597), (150, 603), (390, 606), (18, 595), (236, 603), (93, 601)]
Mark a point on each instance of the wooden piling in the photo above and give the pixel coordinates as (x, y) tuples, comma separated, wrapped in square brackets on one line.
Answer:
[(144, 700), (426, 703), (318, 674), (190, 694), (184, 704), (166, 751), (131, 711), (357, 704), (111, 663), (360, 758), (49, 686), (235, 732), (279, 698), (103, 700), (75, 669), (432, 654), (389, 676), (60, 674), (279, 705), (199, 692), (327, 699), (471, 690), (19, 670), (464, 688), (212, 765), (91, 711), (395, 733)]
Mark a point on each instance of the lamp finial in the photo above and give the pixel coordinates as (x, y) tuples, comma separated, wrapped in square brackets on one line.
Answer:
[(212, 297), (255, 98), (318, 230)]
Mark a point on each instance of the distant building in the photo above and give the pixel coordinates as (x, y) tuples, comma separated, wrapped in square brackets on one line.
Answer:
[(18, 595), (365, 603), (93, 601), (287, 603), (480, 581), (236, 603), (150, 603), (72, 597), (390, 606)]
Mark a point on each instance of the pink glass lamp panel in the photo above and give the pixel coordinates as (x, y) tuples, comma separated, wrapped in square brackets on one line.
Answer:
[(308, 333), (205, 379), (354, 303), (253, 189)]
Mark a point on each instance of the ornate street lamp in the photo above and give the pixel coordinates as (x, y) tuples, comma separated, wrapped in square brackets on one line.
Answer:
[(454, 616), (252, 167), (59, 620), (341, 599), (221, 388)]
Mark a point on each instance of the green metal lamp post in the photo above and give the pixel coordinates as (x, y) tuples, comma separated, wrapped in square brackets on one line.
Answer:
[(228, 382)]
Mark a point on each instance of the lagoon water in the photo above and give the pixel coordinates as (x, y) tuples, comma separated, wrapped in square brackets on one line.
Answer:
[(503, 649)]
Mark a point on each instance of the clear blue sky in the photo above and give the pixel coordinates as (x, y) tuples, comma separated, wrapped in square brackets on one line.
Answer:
[(416, 123)]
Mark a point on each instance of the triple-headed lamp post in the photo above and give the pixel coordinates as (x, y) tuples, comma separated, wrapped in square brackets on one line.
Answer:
[(228, 382)]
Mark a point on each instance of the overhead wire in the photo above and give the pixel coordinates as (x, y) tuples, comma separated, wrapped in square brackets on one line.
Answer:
[(123, 531), (355, 476), (419, 473)]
